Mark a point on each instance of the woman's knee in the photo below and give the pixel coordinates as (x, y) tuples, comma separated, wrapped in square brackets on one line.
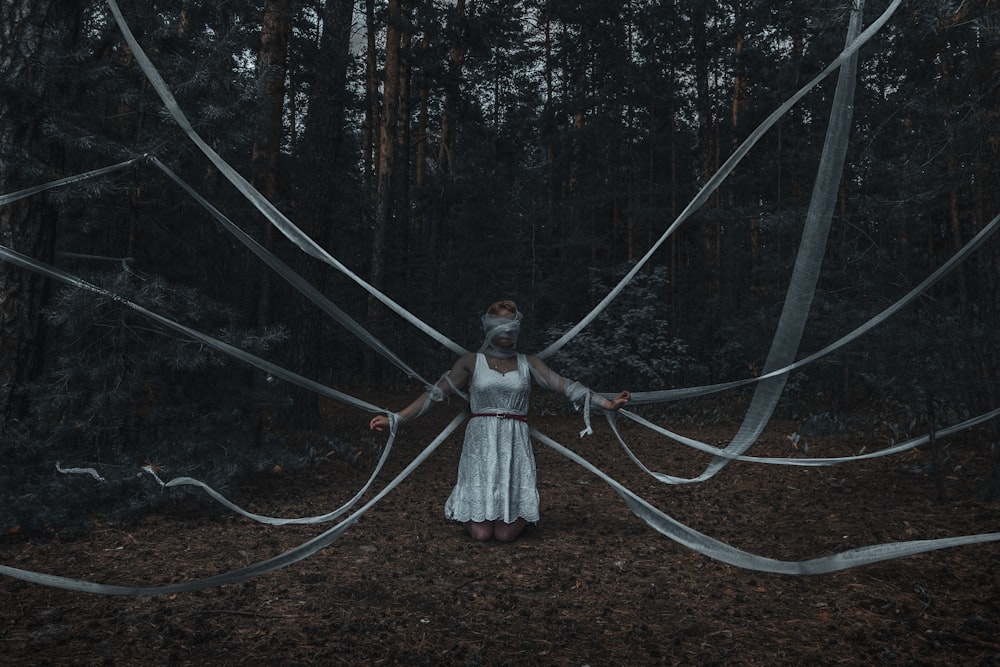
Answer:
[(508, 532), (480, 530)]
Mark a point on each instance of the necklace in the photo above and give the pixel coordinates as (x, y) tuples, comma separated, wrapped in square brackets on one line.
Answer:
[(498, 364)]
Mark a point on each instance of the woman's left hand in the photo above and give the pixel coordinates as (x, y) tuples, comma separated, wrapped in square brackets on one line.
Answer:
[(620, 400)]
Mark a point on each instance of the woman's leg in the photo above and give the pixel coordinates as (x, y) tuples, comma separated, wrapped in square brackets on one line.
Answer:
[(508, 532), (481, 530)]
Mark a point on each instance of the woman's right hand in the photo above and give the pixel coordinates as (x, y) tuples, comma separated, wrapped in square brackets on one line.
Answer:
[(618, 401), (378, 423)]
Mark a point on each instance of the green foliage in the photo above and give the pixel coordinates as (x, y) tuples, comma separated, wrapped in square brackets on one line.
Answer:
[(631, 345), (119, 393)]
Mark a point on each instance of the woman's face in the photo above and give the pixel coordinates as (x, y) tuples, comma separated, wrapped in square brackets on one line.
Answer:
[(504, 339)]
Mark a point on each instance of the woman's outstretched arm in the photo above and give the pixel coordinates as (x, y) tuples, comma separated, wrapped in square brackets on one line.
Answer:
[(455, 379), (576, 392)]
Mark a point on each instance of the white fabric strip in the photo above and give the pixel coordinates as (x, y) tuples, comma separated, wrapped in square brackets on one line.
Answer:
[(640, 398), (273, 215), (493, 327), (898, 448), (285, 559), (272, 368), (723, 172), (79, 471), (279, 521), (21, 194), (808, 260), (717, 550), (293, 278)]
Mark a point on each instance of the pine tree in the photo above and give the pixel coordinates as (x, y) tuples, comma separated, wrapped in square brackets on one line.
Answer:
[(36, 36)]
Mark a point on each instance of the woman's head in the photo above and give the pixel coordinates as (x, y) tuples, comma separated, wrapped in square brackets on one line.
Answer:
[(500, 306), (501, 323)]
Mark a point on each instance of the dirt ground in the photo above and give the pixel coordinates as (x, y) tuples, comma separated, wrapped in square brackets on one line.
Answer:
[(590, 585)]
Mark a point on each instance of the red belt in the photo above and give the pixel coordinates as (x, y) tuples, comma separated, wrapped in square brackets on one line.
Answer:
[(502, 415)]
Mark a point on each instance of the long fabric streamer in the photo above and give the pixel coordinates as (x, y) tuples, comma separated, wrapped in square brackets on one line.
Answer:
[(723, 172), (279, 521), (70, 180), (274, 216), (808, 261), (640, 398), (898, 448), (717, 550), (25, 262), (285, 559), (294, 279)]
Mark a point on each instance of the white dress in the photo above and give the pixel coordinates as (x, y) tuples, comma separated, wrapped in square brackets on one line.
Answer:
[(496, 472)]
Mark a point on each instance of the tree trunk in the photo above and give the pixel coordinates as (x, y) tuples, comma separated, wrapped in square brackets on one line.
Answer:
[(386, 145), (272, 68), (325, 132), (32, 34), (550, 147), (795, 187), (631, 167), (421, 226), (401, 185), (739, 274), (985, 205), (420, 168), (954, 219), (372, 107), (384, 172), (320, 203), (456, 56), (706, 138), (674, 300)]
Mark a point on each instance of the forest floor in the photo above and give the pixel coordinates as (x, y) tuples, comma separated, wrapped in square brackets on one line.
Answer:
[(591, 584)]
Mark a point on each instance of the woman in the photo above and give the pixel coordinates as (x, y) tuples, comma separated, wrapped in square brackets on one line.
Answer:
[(495, 496)]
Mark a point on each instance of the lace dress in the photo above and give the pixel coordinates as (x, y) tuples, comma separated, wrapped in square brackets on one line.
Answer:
[(496, 471)]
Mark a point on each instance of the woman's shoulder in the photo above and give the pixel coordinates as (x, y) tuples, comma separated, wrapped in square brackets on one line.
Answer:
[(463, 368), (468, 360)]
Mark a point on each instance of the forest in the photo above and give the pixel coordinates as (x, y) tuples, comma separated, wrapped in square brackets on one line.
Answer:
[(454, 153), (450, 153)]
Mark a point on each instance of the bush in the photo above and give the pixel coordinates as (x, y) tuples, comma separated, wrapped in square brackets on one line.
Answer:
[(630, 345), (118, 394)]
